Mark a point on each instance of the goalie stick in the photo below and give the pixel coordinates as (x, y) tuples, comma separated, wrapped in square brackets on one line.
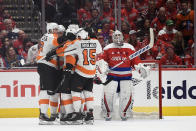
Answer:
[(139, 52)]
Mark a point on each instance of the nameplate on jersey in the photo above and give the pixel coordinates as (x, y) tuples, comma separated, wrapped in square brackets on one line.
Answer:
[(88, 45)]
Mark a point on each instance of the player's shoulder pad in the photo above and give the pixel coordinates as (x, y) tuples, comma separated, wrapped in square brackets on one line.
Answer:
[(127, 45), (111, 45)]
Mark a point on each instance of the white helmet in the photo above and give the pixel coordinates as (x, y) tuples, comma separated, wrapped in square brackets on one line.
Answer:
[(117, 37), (73, 26), (51, 26), (61, 28), (82, 34)]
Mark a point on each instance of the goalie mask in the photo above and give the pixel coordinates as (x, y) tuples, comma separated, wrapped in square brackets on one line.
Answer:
[(117, 38), (52, 28)]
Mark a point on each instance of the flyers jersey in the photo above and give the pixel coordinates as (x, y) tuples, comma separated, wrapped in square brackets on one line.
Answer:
[(48, 42), (86, 51), (66, 58)]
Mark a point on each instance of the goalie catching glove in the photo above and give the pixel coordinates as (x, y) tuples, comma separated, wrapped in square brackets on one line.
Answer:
[(143, 70)]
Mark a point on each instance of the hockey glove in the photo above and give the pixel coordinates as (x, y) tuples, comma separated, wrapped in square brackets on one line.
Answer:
[(50, 54), (67, 70), (97, 81), (143, 70)]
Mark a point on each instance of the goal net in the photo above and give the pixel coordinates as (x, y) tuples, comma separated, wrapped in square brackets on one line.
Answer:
[(146, 95)]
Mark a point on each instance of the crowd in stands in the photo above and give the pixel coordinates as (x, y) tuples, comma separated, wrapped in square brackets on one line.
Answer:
[(172, 21)]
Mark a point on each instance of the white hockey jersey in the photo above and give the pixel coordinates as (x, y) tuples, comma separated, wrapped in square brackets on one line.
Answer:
[(48, 42), (86, 51)]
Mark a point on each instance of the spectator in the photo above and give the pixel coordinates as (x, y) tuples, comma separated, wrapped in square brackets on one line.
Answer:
[(170, 58), (167, 33), (2, 62), (107, 10), (178, 43), (95, 22), (108, 14), (12, 59), (129, 13), (12, 31), (159, 22), (84, 13), (133, 39), (125, 27), (5, 44), (171, 10), (27, 43), (3, 34), (105, 32), (100, 38), (185, 21), (150, 12), (189, 57), (140, 5), (18, 43)]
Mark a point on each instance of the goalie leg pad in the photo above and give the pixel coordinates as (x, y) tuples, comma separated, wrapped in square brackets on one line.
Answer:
[(108, 99), (125, 100)]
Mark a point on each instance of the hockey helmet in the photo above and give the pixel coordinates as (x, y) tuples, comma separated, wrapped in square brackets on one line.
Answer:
[(51, 27), (61, 28), (117, 37), (82, 34)]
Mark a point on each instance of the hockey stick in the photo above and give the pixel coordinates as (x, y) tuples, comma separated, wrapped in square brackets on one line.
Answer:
[(139, 52)]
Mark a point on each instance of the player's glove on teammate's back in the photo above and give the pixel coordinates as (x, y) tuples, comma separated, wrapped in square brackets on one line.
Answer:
[(50, 54), (67, 70)]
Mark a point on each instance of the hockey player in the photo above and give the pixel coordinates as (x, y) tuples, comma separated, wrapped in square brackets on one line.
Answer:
[(119, 78), (69, 62), (49, 75), (86, 50)]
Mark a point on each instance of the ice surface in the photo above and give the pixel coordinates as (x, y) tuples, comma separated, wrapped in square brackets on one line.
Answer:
[(177, 123)]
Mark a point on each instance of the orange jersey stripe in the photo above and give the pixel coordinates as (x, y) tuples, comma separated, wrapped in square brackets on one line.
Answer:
[(66, 102), (39, 57), (89, 99), (76, 99), (85, 71), (83, 101), (43, 101), (55, 104), (70, 59)]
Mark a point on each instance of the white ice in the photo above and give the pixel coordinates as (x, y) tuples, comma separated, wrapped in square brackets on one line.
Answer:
[(177, 123)]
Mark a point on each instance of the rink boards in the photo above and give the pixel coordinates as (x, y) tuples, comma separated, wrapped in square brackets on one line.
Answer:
[(19, 91)]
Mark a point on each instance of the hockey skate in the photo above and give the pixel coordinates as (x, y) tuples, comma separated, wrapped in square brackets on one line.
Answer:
[(89, 119), (65, 119), (44, 119), (76, 118)]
